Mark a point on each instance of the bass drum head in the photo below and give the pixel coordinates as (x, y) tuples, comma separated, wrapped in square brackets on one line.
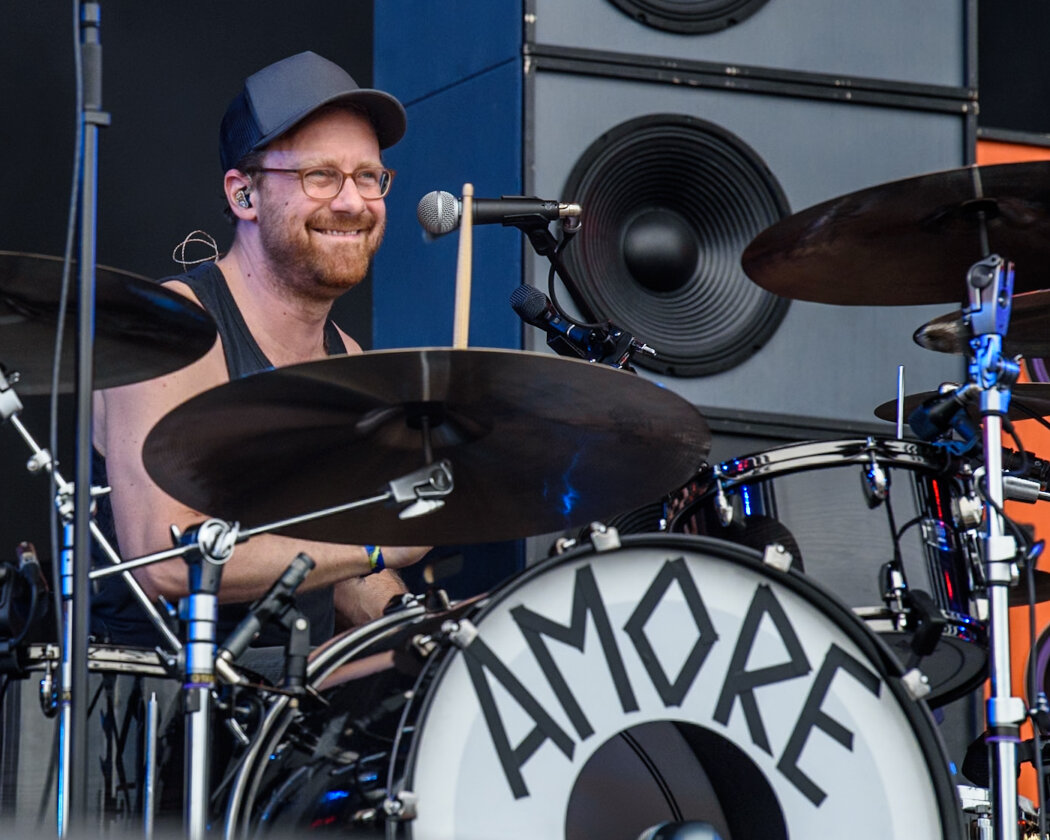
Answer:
[(673, 679)]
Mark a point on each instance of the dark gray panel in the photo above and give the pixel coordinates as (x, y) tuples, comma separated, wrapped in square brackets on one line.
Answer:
[(898, 40), (824, 361)]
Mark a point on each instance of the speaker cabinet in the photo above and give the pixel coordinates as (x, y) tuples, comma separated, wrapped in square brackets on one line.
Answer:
[(682, 146)]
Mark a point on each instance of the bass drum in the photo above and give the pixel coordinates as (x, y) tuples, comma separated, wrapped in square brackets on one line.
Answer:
[(816, 499), (601, 693)]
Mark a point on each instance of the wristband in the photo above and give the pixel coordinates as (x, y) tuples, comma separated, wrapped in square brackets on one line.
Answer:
[(375, 558)]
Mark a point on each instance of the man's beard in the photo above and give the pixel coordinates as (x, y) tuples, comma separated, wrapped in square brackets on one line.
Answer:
[(304, 263)]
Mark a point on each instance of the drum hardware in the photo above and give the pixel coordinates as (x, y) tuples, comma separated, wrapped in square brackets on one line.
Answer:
[(777, 556), (874, 480), (1028, 400), (1029, 311)]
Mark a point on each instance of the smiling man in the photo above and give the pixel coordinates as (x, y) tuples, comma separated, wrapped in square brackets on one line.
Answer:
[(304, 182)]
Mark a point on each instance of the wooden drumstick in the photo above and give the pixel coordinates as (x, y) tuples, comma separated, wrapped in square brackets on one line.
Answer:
[(461, 324)]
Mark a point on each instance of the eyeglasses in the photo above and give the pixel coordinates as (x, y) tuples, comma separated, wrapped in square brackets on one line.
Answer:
[(324, 182)]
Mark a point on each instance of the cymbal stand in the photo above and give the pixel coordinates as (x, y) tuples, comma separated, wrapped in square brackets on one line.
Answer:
[(41, 459), (209, 546), (990, 285)]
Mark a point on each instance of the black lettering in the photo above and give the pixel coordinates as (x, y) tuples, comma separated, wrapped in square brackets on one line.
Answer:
[(479, 658), (672, 693), (812, 716), (586, 599), (742, 683)]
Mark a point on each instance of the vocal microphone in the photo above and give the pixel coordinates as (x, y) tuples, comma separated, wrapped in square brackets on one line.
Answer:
[(274, 602), (440, 212)]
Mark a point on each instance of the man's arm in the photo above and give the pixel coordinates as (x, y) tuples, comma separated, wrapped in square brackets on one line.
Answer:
[(362, 599)]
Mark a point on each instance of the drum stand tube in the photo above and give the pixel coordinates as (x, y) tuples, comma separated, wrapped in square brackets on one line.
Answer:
[(990, 283)]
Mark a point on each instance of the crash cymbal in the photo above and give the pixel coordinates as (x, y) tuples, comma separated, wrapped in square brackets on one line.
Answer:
[(537, 443), (1028, 399), (910, 241), (1028, 333), (142, 330)]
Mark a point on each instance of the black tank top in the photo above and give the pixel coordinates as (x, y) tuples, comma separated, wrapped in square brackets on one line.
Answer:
[(116, 617)]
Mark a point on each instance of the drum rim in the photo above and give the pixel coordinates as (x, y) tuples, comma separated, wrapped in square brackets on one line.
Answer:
[(801, 456), (878, 655)]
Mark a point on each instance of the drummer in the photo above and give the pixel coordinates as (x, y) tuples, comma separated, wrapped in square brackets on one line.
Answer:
[(304, 185)]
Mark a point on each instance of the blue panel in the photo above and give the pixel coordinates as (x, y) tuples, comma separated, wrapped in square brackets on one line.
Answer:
[(470, 132), (421, 47)]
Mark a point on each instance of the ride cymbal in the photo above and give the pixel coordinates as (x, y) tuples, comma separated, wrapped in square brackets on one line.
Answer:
[(1028, 399), (1027, 333), (142, 330), (537, 443), (910, 241)]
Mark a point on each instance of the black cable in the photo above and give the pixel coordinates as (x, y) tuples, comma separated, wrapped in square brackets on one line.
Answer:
[(654, 771), (71, 225)]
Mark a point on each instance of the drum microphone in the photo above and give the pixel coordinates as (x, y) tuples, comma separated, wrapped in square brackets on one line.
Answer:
[(270, 605), (936, 415), (440, 212), (607, 344)]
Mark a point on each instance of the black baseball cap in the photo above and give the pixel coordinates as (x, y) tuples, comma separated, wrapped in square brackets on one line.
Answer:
[(280, 96)]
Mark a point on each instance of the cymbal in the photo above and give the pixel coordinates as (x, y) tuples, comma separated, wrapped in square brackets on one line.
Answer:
[(1027, 334), (1027, 399), (910, 241), (142, 330), (538, 443)]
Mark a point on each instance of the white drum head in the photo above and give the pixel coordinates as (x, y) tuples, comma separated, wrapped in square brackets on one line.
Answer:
[(673, 677)]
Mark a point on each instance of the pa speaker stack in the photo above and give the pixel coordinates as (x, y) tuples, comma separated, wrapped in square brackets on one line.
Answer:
[(683, 129)]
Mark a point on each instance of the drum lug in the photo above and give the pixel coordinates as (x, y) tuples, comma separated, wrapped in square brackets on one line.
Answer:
[(874, 480), (603, 537), (722, 505), (461, 633), (401, 807), (916, 683), (778, 557)]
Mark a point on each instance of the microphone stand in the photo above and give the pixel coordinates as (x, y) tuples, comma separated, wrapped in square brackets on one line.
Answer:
[(990, 285), (614, 346), (73, 794)]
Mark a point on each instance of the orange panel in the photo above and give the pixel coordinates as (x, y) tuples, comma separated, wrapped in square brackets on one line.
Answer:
[(995, 151)]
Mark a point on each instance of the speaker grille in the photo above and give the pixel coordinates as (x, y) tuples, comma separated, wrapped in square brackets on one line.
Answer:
[(689, 16), (669, 203)]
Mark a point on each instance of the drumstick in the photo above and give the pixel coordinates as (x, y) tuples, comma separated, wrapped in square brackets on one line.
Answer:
[(461, 327)]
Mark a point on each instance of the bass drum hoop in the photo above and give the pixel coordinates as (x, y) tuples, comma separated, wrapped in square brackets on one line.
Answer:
[(878, 654)]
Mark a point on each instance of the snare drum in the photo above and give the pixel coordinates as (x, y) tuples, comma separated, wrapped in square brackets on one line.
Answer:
[(598, 694), (817, 499)]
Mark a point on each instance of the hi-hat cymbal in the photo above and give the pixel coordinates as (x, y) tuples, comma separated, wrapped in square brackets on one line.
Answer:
[(142, 330), (1028, 399), (537, 443), (910, 241), (1027, 334)]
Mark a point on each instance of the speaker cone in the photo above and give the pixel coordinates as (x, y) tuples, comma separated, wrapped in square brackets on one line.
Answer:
[(689, 16), (669, 204)]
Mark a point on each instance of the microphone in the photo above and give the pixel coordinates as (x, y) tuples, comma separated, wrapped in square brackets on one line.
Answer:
[(609, 344), (564, 337), (274, 602), (440, 212), (936, 415)]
